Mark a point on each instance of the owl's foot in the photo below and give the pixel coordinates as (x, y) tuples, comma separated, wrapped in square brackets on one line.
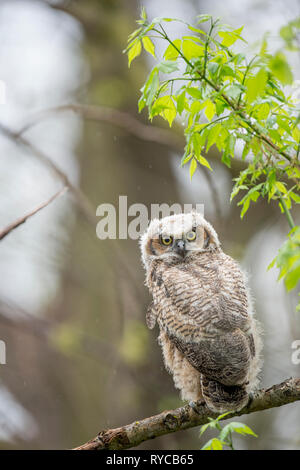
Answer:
[(250, 399), (195, 405)]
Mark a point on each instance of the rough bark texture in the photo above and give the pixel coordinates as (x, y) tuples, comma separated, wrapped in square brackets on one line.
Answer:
[(185, 417)]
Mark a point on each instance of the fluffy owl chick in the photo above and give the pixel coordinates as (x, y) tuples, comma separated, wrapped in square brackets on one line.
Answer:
[(208, 334)]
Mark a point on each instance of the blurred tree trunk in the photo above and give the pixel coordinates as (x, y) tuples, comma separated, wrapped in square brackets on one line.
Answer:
[(103, 285)]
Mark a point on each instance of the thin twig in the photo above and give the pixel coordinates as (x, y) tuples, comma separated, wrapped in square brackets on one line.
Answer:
[(21, 220)]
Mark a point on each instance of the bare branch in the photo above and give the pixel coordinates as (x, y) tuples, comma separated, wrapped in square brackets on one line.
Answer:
[(80, 198), (185, 417), (131, 125), (118, 118), (21, 220)]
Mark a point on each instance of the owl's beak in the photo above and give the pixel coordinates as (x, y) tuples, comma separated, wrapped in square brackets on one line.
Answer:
[(180, 247)]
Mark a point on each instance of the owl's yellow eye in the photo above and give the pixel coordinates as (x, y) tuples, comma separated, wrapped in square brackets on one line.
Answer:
[(166, 240), (190, 236)]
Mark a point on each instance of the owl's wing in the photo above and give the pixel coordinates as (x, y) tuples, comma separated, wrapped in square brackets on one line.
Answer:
[(201, 312)]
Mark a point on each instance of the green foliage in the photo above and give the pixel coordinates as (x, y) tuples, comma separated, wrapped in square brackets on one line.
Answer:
[(225, 434), (289, 34), (226, 100), (288, 260)]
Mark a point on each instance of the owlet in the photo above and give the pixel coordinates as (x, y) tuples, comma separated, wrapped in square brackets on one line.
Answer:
[(209, 337)]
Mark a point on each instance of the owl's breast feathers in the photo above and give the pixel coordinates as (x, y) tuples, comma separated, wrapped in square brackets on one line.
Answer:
[(202, 305)]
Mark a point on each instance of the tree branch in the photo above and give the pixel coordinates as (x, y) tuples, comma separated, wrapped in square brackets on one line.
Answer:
[(118, 118), (185, 417), (21, 220), (131, 125), (82, 201)]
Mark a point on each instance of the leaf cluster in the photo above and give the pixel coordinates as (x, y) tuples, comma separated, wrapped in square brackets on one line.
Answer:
[(225, 434), (229, 102)]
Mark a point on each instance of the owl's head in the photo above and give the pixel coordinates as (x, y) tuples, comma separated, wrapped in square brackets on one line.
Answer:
[(177, 237)]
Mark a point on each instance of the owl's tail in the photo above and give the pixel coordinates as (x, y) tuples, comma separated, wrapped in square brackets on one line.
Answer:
[(220, 398)]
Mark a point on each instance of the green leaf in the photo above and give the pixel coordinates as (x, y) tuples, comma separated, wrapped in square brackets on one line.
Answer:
[(193, 167), (280, 186), (185, 159), (272, 264), (148, 45), (210, 110), (255, 86), (230, 37), (191, 50), (236, 190), (203, 162), (226, 71), (153, 87), (213, 444), (296, 134), (286, 32), (171, 53), (197, 142), (167, 66), (197, 30), (143, 14), (133, 35), (159, 19), (165, 107), (203, 18), (221, 138), (213, 68), (196, 107), (281, 69), (295, 197), (237, 427), (234, 91), (213, 135), (181, 102), (203, 428), (134, 51), (292, 277), (149, 89), (245, 207), (230, 144), (262, 111), (226, 159), (194, 92)]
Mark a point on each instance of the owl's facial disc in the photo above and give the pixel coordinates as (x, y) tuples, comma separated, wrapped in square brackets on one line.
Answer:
[(178, 237), (181, 245)]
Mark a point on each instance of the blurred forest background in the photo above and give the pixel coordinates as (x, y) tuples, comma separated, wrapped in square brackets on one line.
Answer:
[(72, 307)]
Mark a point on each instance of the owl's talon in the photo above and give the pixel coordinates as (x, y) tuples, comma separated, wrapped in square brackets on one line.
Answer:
[(250, 399), (195, 404)]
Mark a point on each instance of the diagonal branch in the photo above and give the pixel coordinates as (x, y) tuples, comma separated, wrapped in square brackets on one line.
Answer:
[(185, 417), (81, 200), (21, 220)]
